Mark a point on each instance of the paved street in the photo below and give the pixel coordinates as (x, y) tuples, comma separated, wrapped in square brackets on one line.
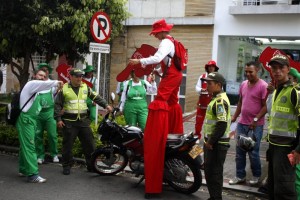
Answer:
[(229, 167), (83, 185)]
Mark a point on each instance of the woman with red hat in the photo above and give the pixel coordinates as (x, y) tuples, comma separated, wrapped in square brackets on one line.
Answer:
[(204, 97), (165, 113)]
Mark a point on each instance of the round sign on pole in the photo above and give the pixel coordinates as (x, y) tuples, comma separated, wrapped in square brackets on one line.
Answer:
[(100, 27)]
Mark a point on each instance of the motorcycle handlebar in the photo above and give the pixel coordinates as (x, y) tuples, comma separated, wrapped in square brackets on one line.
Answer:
[(185, 136)]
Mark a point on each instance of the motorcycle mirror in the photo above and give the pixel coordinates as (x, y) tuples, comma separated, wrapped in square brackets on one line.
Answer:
[(112, 96)]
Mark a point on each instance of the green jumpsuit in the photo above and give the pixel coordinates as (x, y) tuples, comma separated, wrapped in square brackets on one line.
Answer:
[(26, 126), (46, 121), (90, 103), (136, 108)]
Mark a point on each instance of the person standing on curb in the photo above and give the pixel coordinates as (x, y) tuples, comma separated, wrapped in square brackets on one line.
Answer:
[(134, 102), (284, 121), (165, 114), (216, 130), (89, 76), (71, 114), (252, 107), (46, 121), (204, 97), (27, 122)]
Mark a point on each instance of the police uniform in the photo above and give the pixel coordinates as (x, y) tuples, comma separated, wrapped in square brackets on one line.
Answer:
[(216, 130), (282, 136), (71, 107)]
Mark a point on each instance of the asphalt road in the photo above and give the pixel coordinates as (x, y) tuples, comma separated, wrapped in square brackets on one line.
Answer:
[(83, 185)]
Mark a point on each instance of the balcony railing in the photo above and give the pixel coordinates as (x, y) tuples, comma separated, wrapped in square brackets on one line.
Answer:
[(254, 7), (265, 2)]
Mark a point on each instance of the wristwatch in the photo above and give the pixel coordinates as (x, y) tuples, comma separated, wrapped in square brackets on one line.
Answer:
[(255, 119)]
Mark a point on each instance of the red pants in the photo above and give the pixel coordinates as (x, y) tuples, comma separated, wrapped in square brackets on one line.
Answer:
[(165, 116), (202, 104)]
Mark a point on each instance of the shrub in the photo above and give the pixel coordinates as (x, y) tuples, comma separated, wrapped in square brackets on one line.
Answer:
[(9, 137)]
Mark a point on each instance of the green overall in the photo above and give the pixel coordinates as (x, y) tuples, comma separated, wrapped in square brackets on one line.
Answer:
[(136, 108), (46, 121), (26, 126), (90, 104)]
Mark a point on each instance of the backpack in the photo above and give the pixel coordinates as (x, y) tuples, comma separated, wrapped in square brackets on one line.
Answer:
[(180, 57), (13, 110)]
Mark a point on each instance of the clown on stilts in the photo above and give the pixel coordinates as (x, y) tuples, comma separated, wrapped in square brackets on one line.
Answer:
[(165, 114)]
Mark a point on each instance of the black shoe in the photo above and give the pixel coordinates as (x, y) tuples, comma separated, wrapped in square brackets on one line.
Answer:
[(66, 171), (152, 196)]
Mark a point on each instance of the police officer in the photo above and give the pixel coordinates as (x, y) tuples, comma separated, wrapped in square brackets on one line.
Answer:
[(71, 115), (216, 134), (282, 133)]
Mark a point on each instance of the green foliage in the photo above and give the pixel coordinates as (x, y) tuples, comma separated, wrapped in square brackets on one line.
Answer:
[(55, 27), (9, 136)]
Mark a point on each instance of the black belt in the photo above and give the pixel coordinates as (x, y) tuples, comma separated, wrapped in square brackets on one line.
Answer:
[(74, 116)]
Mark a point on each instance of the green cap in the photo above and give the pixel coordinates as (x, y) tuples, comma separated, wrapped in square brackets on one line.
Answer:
[(215, 76), (76, 72), (41, 65), (293, 72), (89, 68)]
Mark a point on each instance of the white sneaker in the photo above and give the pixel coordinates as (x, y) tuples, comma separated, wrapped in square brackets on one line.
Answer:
[(254, 180), (236, 180), (55, 159), (40, 161), (36, 179)]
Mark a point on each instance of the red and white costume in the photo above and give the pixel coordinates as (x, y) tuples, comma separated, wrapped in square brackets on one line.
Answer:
[(165, 114), (204, 98)]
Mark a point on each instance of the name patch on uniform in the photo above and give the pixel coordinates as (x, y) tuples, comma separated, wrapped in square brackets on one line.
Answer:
[(282, 109)]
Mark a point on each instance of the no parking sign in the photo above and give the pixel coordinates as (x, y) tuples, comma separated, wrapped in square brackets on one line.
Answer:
[(100, 27)]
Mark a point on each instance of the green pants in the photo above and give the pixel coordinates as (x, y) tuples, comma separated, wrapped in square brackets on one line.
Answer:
[(92, 109), (46, 122), (27, 156), (136, 113), (298, 181)]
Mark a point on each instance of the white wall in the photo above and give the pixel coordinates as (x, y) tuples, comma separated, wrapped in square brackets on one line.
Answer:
[(260, 25), (156, 8)]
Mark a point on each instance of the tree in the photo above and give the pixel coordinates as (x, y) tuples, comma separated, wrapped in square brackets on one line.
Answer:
[(53, 27)]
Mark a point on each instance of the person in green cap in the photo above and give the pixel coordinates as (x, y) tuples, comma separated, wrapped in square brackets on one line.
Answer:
[(46, 68), (46, 121), (89, 76), (294, 76)]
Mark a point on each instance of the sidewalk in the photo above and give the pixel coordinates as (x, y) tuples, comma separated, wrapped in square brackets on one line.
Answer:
[(229, 166)]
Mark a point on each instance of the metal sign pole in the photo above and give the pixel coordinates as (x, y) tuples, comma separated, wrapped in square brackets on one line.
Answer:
[(97, 89)]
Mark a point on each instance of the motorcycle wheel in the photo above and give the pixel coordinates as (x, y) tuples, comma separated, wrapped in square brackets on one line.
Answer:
[(106, 163), (182, 175)]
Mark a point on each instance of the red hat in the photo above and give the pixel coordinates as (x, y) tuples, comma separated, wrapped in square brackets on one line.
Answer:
[(161, 26), (211, 62)]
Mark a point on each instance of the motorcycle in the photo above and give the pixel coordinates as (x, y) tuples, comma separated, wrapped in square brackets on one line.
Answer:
[(124, 146)]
